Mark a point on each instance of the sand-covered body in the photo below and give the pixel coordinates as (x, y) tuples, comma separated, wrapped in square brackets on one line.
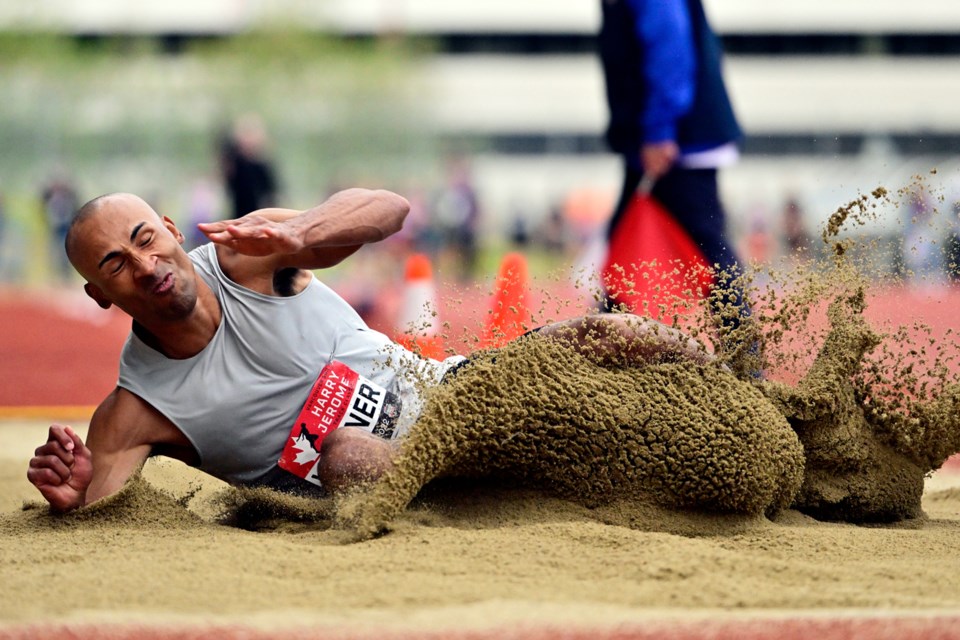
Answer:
[(678, 434)]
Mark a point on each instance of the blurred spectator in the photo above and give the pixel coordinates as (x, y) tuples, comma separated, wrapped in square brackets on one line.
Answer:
[(417, 231), (794, 230), (585, 210), (8, 247), (457, 213), (247, 172), (758, 243), (670, 116), (553, 233), (203, 205), (953, 243), (60, 201), (519, 229), (922, 256)]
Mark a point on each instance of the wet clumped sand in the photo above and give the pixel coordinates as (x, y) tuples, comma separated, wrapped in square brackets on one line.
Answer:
[(876, 411), (138, 500), (539, 413)]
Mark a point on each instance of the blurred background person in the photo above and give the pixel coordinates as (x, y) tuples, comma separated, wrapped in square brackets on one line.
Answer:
[(203, 204), (248, 173), (670, 116), (952, 248), (759, 245), (518, 229), (9, 270), (456, 211), (60, 201), (795, 236), (553, 233), (922, 251)]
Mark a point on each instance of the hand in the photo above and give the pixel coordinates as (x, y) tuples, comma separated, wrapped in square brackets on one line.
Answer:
[(658, 157), (62, 469), (254, 235)]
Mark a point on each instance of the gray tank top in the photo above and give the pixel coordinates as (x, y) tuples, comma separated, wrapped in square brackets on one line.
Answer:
[(237, 400)]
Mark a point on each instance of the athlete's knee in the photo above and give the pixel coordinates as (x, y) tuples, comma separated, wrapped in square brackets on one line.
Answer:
[(588, 325), (594, 335), (611, 329), (349, 456)]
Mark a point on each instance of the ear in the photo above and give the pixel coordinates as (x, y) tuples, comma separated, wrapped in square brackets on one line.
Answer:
[(94, 292), (172, 228)]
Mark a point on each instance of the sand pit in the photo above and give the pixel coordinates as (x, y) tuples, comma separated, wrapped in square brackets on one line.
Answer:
[(463, 557)]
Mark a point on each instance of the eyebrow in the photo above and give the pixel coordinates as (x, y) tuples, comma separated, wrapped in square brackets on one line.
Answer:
[(113, 254)]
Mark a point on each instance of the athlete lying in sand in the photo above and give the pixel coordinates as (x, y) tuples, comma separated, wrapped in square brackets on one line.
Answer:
[(230, 344)]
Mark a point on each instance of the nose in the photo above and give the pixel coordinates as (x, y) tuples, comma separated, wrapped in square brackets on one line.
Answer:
[(144, 266)]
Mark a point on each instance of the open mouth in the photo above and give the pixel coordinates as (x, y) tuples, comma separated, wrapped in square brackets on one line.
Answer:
[(165, 284)]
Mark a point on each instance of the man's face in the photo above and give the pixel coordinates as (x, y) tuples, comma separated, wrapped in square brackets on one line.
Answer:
[(132, 258)]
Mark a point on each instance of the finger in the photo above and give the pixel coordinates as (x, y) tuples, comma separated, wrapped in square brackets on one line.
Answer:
[(56, 450), (217, 235), (44, 477), (248, 231), (58, 433), (78, 446), (53, 464), (224, 239), (212, 226)]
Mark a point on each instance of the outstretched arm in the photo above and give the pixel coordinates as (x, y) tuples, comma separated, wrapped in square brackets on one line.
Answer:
[(313, 239)]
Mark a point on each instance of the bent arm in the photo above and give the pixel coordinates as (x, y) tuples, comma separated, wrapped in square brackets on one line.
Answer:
[(70, 474), (313, 239), (117, 444)]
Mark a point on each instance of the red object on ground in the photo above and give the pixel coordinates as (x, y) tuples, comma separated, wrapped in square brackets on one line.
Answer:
[(651, 261), (417, 327), (509, 311)]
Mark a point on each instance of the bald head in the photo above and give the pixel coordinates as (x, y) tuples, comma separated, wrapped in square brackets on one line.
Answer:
[(101, 205), (132, 257)]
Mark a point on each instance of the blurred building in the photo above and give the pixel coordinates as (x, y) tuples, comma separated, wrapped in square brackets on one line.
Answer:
[(819, 86)]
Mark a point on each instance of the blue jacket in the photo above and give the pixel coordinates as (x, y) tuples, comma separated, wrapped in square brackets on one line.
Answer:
[(662, 63)]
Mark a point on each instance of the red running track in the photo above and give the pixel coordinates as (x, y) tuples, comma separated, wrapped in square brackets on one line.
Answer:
[(59, 349), (833, 626)]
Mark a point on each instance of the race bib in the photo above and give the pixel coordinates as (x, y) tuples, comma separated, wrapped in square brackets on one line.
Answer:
[(340, 397)]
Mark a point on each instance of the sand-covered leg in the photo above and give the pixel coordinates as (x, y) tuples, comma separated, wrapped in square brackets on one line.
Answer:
[(851, 474), (710, 442), (434, 447), (680, 434)]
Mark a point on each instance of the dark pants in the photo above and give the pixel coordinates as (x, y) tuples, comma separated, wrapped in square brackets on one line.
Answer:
[(692, 197)]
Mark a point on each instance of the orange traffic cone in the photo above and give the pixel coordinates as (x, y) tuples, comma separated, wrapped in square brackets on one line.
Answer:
[(417, 326), (509, 316)]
